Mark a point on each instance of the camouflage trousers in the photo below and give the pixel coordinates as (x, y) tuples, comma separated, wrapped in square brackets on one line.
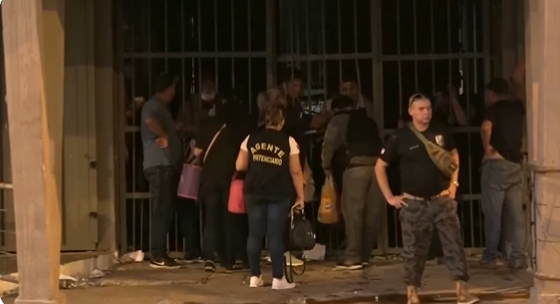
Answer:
[(418, 220)]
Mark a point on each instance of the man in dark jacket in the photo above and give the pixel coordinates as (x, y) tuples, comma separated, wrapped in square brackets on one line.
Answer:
[(352, 146)]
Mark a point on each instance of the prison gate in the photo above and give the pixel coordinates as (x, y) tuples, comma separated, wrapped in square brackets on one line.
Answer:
[(396, 47)]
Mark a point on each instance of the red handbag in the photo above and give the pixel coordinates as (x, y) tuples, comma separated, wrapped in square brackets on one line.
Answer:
[(236, 201)]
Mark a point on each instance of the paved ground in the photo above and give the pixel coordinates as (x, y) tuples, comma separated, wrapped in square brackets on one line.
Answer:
[(138, 284)]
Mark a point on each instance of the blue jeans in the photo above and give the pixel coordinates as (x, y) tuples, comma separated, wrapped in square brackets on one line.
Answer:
[(502, 192), (267, 216)]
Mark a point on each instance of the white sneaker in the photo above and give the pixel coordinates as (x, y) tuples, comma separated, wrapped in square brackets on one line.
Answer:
[(280, 284), (295, 262), (256, 282)]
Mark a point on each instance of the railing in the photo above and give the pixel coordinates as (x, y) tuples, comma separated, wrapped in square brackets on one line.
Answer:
[(470, 213)]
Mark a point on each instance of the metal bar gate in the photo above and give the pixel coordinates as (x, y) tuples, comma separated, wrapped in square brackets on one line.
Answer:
[(396, 47)]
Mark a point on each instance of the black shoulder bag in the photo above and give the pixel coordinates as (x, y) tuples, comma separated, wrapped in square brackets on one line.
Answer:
[(302, 237)]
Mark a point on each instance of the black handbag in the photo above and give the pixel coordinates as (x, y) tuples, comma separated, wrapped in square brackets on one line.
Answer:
[(302, 237)]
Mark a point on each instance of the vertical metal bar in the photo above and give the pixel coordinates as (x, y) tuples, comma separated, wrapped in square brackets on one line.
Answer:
[(449, 51), (432, 42), (183, 84), (297, 30), (165, 34), (199, 29), (467, 84), (149, 49), (355, 15), (339, 21), (166, 60), (415, 25), (486, 40), (324, 38), (475, 47), (292, 30), (216, 44), (399, 53), (249, 102), (149, 92), (232, 33), (270, 42), (377, 76), (308, 62)]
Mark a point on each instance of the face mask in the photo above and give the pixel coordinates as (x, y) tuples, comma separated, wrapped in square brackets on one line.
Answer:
[(207, 97)]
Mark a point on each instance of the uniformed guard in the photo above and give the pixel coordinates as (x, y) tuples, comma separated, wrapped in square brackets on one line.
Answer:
[(429, 171)]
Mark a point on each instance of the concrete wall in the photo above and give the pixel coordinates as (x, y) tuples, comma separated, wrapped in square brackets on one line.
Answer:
[(88, 159)]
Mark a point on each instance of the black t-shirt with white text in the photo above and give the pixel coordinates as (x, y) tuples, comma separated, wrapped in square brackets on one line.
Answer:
[(419, 175), (268, 172)]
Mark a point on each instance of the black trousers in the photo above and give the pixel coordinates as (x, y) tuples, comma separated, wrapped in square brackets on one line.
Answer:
[(164, 181), (225, 233)]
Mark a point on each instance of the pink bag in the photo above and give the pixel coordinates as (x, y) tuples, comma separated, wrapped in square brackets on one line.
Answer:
[(190, 177), (190, 181), (236, 201)]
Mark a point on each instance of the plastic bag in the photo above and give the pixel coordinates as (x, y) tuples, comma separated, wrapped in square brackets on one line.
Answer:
[(328, 211)]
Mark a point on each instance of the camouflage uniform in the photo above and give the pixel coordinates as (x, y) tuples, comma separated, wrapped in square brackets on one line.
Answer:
[(417, 222)]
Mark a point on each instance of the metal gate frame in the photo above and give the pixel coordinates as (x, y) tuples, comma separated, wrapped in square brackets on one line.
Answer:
[(272, 60)]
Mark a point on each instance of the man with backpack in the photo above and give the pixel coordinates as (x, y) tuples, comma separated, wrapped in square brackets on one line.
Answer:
[(350, 150)]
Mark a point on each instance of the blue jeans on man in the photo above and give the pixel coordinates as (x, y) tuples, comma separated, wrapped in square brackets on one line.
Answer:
[(502, 199)]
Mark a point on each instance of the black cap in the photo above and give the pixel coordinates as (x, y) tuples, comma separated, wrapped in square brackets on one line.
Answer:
[(498, 86), (164, 81)]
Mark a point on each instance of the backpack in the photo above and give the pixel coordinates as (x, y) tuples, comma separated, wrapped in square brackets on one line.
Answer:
[(362, 139)]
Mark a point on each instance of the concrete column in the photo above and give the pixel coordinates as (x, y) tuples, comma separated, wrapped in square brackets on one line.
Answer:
[(53, 72), (543, 90), (32, 111)]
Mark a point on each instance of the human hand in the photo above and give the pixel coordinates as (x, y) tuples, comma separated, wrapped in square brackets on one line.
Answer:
[(397, 202), (452, 191), (299, 205), (162, 142), (452, 91)]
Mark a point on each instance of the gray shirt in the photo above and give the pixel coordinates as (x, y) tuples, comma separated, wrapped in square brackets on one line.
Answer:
[(154, 155)]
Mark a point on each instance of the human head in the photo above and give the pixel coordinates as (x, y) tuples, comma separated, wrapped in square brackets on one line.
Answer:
[(441, 97), (208, 90), (341, 103), (293, 83), (496, 89), (266, 99), (165, 86), (274, 115), (349, 86), (420, 108)]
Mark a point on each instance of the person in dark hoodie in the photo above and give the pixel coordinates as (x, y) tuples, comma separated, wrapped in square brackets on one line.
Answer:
[(224, 233), (352, 146)]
